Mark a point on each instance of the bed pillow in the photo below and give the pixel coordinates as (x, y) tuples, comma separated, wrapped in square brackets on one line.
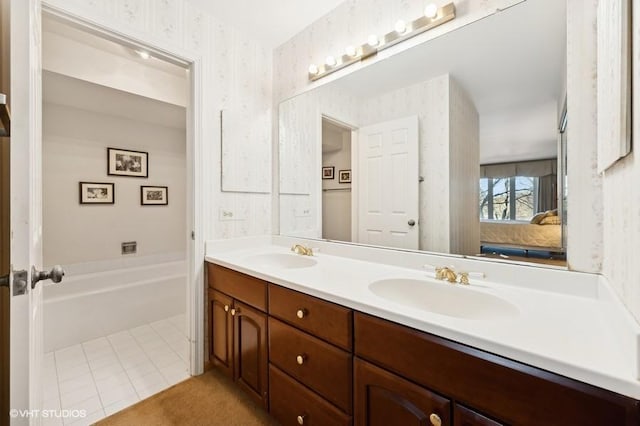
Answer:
[(535, 220), (550, 220)]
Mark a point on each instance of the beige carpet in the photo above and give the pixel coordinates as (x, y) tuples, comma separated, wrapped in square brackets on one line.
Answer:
[(209, 399)]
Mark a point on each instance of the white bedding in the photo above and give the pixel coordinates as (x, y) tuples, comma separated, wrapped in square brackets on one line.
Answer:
[(519, 234)]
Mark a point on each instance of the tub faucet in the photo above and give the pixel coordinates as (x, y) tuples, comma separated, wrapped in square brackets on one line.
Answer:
[(302, 250)]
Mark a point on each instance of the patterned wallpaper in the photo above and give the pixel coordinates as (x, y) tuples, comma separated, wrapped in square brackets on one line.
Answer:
[(237, 77), (621, 225)]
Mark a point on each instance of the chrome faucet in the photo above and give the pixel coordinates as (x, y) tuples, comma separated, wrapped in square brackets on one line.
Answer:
[(302, 250)]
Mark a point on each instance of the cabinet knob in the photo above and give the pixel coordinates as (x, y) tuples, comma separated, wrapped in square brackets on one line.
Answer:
[(301, 419), (233, 311), (300, 359), (435, 419), (226, 308), (301, 313)]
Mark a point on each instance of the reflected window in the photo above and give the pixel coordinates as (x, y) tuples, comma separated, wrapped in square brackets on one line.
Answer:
[(508, 198)]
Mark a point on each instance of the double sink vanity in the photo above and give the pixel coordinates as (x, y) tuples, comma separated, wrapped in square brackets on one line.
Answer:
[(361, 335)]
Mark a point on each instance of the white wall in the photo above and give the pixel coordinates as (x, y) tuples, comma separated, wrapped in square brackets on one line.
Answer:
[(75, 145), (336, 196), (464, 172)]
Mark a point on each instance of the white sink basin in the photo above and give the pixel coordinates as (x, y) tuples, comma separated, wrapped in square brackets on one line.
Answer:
[(281, 260), (444, 299)]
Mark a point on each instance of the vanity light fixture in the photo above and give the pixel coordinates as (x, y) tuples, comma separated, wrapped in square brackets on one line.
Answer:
[(431, 11), (401, 27), (433, 16), (373, 40)]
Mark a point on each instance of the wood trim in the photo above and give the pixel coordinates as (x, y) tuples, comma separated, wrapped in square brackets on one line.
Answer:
[(501, 388)]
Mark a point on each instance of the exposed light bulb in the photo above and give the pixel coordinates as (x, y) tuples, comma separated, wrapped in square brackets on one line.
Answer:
[(351, 51), (143, 54), (313, 69), (401, 27), (431, 11), (373, 40), (331, 61)]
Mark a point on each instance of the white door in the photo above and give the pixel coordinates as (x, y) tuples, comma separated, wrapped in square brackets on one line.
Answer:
[(26, 350), (388, 184)]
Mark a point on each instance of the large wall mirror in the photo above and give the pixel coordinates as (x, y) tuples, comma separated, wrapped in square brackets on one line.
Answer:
[(454, 146)]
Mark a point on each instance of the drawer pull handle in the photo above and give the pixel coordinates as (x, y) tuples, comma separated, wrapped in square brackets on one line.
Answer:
[(435, 419), (301, 419), (301, 313), (226, 308), (300, 359)]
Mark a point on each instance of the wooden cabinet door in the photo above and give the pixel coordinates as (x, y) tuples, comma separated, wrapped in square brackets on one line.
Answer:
[(384, 399), (463, 416), (250, 351), (221, 332)]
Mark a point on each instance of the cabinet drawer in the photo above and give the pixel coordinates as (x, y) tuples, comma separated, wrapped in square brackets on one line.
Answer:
[(249, 290), (325, 320), (319, 365), (289, 400), (384, 399)]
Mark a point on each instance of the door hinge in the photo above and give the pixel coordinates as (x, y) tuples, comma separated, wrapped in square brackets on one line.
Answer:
[(4, 281), (193, 235)]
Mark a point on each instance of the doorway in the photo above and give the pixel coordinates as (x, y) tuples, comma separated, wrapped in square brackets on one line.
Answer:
[(336, 181), (114, 167)]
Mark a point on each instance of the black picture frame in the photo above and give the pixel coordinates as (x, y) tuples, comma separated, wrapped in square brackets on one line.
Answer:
[(344, 176), (328, 172), (97, 193), (125, 162), (145, 192)]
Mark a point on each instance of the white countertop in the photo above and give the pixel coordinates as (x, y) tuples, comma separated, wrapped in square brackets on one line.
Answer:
[(585, 335)]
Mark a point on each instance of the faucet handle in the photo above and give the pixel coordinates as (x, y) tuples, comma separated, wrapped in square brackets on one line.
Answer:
[(463, 278)]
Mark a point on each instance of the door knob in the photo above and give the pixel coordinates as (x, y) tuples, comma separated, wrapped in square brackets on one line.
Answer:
[(55, 274), (411, 222)]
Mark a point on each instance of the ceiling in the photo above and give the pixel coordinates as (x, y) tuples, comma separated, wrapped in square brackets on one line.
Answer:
[(272, 21)]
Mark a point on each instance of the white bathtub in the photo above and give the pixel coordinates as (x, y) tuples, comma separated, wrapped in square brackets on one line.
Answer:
[(88, 306)]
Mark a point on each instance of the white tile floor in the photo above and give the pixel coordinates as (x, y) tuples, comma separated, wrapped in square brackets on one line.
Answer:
[(105, 375)]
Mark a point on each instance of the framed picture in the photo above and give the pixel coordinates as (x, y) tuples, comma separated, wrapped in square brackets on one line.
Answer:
[(122, 162), (97, 193), (327, 172), (154, 195), (344, 176)]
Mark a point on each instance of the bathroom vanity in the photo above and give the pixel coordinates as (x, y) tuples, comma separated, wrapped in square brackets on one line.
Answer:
[(311, 355)]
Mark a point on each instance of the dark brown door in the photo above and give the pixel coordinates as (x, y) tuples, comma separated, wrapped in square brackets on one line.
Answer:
[(463, 416), (250, 351), (384, 399), (221, 332)]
